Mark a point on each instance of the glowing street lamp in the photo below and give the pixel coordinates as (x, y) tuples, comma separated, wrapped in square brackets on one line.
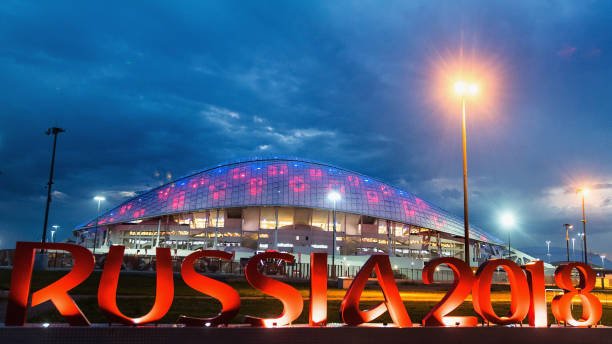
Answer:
[(508, 222), (548, 250), (55, 229), (465, 89), (334, 197), (584, 191), (99, 199), (568, 227)]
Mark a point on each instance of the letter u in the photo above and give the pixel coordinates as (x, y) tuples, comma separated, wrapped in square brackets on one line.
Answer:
[(164, 291)]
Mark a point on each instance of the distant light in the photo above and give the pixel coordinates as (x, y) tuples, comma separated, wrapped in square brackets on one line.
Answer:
[(55, 227), (99, 198), (45, 325), (584, 191), (508, 220), (334, 196), (207, 324)]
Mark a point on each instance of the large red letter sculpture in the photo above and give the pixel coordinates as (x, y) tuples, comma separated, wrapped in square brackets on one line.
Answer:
[(538, 315), (56, 292), (318, 289), (228, 296), (349, 308), (519, 292), (289, 296), (461, 288), (561, 304), (164, 292)]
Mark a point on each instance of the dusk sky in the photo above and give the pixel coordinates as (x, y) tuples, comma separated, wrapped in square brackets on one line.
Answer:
[(151, 91)]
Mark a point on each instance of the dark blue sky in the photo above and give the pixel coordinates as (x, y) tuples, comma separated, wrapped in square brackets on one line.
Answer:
[(151, 89)]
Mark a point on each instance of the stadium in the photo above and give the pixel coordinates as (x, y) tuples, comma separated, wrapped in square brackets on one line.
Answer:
[(283, 204)]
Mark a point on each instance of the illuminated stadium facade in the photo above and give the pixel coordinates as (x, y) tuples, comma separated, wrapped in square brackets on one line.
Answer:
[(283, 204)]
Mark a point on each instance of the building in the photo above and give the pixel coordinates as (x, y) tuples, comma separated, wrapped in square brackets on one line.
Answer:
[(283, 204)]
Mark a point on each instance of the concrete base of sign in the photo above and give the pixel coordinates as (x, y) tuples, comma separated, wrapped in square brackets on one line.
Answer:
[(303, 335)]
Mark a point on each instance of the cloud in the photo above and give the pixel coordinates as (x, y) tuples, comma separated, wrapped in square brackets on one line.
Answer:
[(174, 88), (59, 195), (567, 51)]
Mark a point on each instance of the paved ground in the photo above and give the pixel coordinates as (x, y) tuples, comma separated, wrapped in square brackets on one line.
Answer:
[(305, 335)]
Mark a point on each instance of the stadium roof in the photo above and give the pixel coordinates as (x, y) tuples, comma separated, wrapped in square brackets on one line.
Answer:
[(288, 182)]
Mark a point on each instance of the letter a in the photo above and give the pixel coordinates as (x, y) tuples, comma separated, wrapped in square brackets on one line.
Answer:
[(349, 309)]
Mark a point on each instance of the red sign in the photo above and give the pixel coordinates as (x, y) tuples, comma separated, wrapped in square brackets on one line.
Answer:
[(526, 289)]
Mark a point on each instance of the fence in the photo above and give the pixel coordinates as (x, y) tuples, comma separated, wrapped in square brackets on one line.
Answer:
[(298, 271)]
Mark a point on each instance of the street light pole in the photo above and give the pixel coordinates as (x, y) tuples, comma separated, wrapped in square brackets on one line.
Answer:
[(548, 250), (573, 248), (99, 199), (583, 192), (51, 131), (603, 269), (581, 235), (464, 89), (53, 231), (466, 221), (567, 229)]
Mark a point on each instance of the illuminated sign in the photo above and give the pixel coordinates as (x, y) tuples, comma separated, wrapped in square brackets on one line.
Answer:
[(526, 288)]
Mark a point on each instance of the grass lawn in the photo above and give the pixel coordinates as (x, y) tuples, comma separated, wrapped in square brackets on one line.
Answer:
[(136, 290)]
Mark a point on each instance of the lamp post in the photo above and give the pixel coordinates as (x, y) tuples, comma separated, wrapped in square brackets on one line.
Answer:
[(99, 199), (573, 248), (508, 221), (51, 131), (53, 231), (603, 271), (584, 191), (581, 236), (548, 250), (334, 196), (464, 89), (568, 227)]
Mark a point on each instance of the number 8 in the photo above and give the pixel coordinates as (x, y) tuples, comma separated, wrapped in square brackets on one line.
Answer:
[(561, 304)]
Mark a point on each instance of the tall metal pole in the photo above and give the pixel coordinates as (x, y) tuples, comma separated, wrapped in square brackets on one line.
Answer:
[(159, 230), (466, 226), (567, 228), (215, 239), (584, 236), (96, 230), (51, 131), (334, 241), (509, 254), (276, 228)]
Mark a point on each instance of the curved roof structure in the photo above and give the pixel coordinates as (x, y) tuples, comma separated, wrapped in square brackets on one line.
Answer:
[(287, 182)]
